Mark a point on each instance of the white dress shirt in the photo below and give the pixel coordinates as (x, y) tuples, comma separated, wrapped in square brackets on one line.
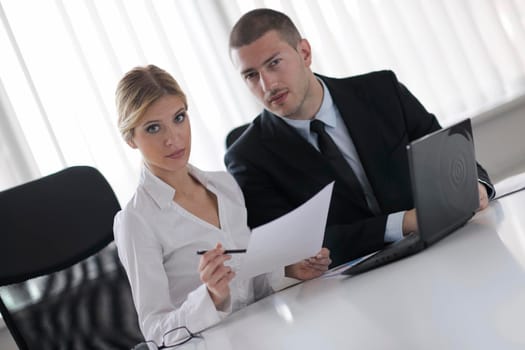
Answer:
[(157, 241), (336, 129)]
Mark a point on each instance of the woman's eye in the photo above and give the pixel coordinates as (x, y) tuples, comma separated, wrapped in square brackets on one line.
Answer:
[(179, 118), (152, 129)]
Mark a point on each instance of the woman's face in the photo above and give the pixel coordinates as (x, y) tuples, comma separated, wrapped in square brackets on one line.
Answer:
[(163, 136)]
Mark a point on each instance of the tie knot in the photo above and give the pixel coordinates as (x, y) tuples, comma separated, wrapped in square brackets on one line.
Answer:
[(317, 126)]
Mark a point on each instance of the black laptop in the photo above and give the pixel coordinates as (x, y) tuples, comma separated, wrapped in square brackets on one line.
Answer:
[(445, 189)]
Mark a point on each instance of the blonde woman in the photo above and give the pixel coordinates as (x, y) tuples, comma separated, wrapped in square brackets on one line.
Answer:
[(178, 209)]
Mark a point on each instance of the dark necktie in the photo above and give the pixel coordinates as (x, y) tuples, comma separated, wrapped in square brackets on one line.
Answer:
[(331, 152)]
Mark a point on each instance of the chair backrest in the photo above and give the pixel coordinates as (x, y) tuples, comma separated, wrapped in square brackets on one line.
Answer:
[(234, 134), (61, 283)]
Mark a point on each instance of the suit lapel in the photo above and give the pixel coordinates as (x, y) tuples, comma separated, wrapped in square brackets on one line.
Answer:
[(365, 134), (284, 142)]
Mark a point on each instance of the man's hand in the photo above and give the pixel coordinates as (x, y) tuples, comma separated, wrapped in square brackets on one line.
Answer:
[(216, 275), (409, 222), (483, 197), (310, 268)]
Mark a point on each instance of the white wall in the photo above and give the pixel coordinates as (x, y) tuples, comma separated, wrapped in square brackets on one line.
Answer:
[(499, 136)]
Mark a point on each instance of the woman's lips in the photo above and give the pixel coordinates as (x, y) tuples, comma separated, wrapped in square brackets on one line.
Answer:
[(177, 154)]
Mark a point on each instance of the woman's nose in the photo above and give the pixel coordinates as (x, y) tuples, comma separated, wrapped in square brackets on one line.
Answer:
[(171, 135)]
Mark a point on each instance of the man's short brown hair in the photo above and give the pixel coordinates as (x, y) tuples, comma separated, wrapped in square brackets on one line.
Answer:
[(254, 24)]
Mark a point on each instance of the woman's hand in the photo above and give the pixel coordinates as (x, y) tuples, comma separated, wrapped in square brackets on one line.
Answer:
[(310, 268), (216, 275)]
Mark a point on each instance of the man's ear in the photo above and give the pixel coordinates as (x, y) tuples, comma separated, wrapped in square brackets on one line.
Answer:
[(131, 143), (305, 51)]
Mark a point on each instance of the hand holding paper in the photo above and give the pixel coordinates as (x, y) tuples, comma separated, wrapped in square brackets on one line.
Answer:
[(312, 267), (288, 239)]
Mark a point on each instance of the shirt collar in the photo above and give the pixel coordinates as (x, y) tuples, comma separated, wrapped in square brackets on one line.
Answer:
[(162, 193), (327, 111), (326, 114)]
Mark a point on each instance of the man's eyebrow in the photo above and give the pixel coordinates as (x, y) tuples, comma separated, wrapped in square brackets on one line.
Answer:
[(271, 58), (248, 70)]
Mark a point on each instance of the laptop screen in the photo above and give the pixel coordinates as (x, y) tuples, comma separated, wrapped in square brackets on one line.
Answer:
[(444, 180)]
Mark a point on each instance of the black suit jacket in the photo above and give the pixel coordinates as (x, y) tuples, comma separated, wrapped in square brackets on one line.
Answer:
[(278, 170)]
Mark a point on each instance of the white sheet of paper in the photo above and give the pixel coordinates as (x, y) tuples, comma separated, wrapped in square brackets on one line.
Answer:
[(510, 185), (289, 239)]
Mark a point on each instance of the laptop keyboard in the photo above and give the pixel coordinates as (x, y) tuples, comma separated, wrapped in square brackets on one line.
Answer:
[(407, 246)]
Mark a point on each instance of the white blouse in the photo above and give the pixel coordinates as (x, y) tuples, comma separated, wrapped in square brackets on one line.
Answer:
[(157, 241)]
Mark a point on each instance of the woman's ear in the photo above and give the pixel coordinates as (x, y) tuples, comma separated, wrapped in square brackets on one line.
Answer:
[(131, 143)]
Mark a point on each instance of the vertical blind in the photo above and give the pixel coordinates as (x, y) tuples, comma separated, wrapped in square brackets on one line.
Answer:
[(61, 61)]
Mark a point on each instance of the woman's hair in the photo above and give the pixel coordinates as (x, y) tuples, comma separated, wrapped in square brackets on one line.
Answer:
[(139, 89), (254, 24)]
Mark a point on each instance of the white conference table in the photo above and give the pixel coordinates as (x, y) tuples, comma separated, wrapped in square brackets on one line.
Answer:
[(465, 292)]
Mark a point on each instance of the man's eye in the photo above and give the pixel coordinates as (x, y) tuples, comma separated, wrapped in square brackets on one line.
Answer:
[(152, 129), (179, 118), (250, 76), (274, 62)]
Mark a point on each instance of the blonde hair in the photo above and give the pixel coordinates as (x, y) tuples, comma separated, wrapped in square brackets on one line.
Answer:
[(139, 89)]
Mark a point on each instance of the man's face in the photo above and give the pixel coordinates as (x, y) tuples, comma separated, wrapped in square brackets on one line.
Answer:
[(277, 74)]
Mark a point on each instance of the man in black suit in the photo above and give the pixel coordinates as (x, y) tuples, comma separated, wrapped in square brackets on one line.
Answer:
[(281, 160)]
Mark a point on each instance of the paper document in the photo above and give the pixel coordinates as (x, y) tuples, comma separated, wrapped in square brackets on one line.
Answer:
[(338, 270), (289, 239), (510, 185)]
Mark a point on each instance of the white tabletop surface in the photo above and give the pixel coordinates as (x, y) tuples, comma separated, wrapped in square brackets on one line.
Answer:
[(465, 292)]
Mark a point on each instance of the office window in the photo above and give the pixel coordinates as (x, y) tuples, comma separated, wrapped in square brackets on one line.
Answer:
[(62, 59)]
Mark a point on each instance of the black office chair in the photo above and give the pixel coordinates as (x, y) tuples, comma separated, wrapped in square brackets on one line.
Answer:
[(61, 283), (235, 133)]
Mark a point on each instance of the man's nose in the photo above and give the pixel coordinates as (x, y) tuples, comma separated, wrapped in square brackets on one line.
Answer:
[(267, 81)]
